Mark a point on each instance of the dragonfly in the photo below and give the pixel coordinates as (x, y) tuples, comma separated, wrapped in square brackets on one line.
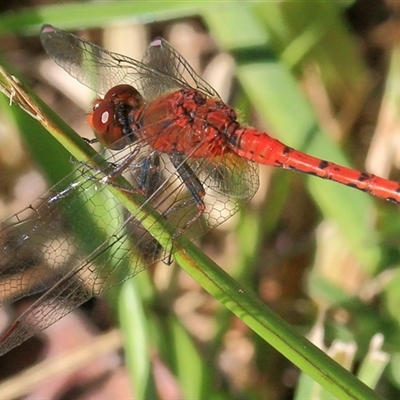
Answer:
[(177, 144)]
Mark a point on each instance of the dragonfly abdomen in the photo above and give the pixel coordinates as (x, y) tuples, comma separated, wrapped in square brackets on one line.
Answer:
[(261, 148)]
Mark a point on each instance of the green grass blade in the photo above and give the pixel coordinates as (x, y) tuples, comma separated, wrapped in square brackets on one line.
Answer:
[(252, 312), (274, 92)]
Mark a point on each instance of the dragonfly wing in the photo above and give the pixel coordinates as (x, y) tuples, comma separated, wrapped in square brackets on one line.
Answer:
[(114, 261), (228, 175), (229, 182), (161, 56), (74, 243), (98, 68), (37, 245)]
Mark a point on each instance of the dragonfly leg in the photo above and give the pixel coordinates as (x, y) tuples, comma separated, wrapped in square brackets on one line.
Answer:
[(112, 169), (147, 176), (195, 188), (120, 168), (90, 141), (146, 173), (150, 175)]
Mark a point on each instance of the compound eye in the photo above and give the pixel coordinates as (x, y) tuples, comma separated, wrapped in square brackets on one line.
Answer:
[(102, 116), (125, 94), (102, 120)]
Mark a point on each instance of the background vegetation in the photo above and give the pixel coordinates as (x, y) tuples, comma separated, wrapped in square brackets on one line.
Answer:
[(320, 76)]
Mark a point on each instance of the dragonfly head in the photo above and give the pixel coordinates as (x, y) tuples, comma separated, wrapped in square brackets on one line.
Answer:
[(111, 117)]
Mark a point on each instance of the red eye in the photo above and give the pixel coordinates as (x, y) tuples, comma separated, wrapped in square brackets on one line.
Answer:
[(102, 116), (107, 128), (102, 120), (125, 94)]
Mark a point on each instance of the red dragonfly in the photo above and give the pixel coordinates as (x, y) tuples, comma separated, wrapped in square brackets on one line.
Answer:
[(188, 156)]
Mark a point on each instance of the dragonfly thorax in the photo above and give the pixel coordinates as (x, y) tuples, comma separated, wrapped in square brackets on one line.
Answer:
[(188, 122)]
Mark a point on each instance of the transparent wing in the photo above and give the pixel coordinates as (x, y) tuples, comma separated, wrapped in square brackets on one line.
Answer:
[(230, 176), (78, 240), (160, 55), (229, 183), (161, 71), (70, 245)]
